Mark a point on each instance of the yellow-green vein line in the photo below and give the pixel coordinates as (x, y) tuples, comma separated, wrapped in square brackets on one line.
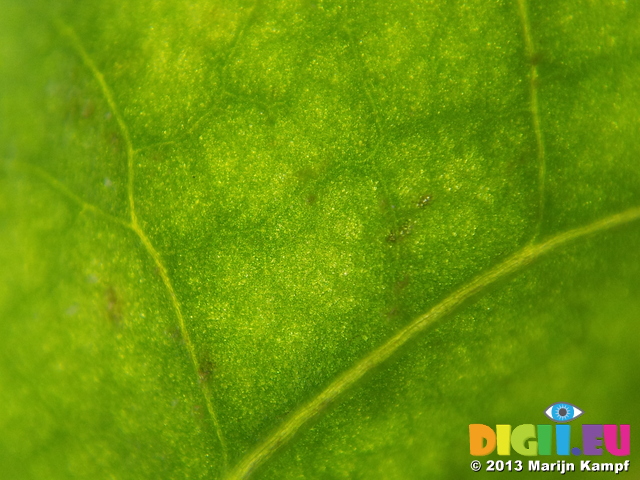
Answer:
[(66, 192), (534, 109), (137, 229), (68, 32), (285, 432), (184, 332)]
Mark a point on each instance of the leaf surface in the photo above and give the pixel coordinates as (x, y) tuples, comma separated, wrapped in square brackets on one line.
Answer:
[(218, 218)]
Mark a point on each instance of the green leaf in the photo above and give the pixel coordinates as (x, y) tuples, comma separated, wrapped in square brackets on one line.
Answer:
[(311, 239)]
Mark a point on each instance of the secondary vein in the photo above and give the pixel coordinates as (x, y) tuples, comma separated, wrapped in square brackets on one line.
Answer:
[(70, 33), (534, 109), (138, 230), (153, 253), (285, 432), (66, 192)]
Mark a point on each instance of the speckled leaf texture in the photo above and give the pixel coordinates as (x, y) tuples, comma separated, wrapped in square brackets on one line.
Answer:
[(312, 239)]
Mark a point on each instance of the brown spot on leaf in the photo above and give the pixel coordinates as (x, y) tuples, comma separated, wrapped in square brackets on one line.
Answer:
[(115, 141), (114, 305), (206, 369), (306, 174), (393, 312), (88, 110), (401, 284), (385, 205), (199, 412), (399, 233), (283, 415), (175, 334), (536, 58), (311, 199)]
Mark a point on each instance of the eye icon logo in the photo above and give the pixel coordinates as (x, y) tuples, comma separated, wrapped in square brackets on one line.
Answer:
[(563, 412)]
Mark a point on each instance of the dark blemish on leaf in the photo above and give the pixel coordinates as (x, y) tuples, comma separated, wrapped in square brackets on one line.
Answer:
[(393, 312), (115, 140), (206, 370), (516, 164), (324, 405), (424, 201), (114, 306), (311, 199), (401, 284), (400, 233), (199, 412), (73, 103), (536, 58), (88, 110), (270, 119), (306, 174), (157, 271), (525, 158), (158, 155), (283, 415), (175, 334)]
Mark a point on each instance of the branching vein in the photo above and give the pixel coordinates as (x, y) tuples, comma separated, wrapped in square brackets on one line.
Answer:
[(534, 108), (166, 280), (67, 31), (309, 411), (66, 192), (184, 332), (516, 262)]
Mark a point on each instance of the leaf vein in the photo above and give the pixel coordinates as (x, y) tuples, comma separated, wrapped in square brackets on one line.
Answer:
[(71, 35), (68, 31), (534, 110), (516, 262), (61, 188)]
